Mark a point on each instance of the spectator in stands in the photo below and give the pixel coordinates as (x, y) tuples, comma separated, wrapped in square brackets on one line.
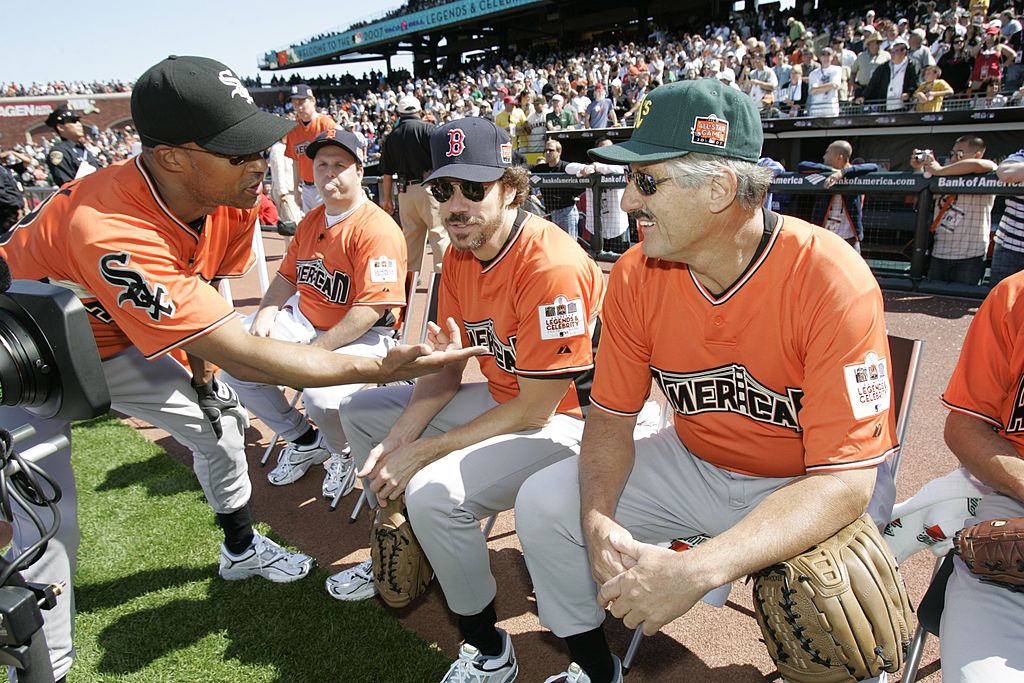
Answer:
[(956, 66), (932, 91), (760, 83), (267, 209), (1008, 255), (918, 50), (795, 96), (823, 86), (12, 199), (796, 28), (943, 44), (962, 222), (845, 55), (601, 111), (511, 119), (842, 214), (1012, 31), (614, 221), (524, 104), (580, 101), (990, 98), (537, 124), (989, 57), (560, 203), (867, 62), (895, 81), (560, 118)]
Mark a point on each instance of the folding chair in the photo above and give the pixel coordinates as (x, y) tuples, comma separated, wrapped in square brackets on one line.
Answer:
[(904, 361)]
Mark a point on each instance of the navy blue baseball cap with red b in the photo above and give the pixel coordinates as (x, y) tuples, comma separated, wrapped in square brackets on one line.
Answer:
[(470, 149)]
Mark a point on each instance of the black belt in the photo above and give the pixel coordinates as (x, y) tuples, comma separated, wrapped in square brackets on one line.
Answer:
[(308, 184)]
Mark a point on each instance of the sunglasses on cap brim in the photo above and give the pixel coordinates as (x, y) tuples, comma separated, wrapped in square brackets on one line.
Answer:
[(442, 190)]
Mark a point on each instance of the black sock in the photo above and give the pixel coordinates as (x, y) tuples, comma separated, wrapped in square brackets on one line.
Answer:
[(590, 650), (478, 630), (308, 437), (237, 526)]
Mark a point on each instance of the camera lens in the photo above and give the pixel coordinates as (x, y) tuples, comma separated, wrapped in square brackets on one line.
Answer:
[(25, 375)]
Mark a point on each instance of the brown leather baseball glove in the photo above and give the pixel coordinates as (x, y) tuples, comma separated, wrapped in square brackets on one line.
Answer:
[(401, 570), (994, 551), (837, 612)]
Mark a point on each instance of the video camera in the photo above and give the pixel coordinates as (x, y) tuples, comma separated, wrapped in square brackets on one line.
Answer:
[(49, 366)]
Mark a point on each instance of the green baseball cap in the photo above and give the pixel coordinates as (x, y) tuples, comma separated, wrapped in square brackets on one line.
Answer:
[(675, 119)]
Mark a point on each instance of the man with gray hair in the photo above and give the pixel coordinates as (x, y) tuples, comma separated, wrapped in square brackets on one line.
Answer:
[(716, 305)]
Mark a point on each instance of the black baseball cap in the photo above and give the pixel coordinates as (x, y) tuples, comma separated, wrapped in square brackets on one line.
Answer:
[(339, 138), (470, 149), (61, 115), (690, 116), (196, 99)]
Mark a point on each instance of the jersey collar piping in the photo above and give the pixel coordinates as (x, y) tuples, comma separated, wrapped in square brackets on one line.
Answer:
[(748, 273), (160, 202)]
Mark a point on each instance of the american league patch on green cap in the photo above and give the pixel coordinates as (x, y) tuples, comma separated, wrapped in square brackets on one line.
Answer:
[(690, 116)]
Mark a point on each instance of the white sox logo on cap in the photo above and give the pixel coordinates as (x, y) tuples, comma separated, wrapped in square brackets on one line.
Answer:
[(456, 142), (231, 80)]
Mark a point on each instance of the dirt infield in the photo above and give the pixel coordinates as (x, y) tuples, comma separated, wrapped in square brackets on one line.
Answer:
[(707, 644)]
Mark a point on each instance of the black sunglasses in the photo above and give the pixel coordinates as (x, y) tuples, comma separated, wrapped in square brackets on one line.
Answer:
[(442, 190), (234, 160), (645, 182)]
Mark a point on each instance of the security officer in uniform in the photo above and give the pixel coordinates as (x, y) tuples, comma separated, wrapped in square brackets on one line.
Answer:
[(67, 156), (406, 152)]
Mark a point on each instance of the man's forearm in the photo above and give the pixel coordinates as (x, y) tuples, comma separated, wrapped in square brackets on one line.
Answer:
[(606, 458), (793, 518), (986, 454), (277, 293), (429, 396), (202, 371), (354, 325)]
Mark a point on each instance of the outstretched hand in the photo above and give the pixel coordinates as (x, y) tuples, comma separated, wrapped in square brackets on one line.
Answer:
[(408, 362)]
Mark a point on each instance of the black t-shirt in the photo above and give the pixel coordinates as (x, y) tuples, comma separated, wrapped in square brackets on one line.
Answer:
[(10, 192), (406, 150), (556, 197)]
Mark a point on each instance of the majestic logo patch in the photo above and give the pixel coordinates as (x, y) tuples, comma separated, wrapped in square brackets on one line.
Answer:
[(456, 142), (232, 81), (137, 290), (482, 334), (710, 130), (730, 389), (867, 384), (334, 285), (1016, 422), (383, 269), (562, 318)]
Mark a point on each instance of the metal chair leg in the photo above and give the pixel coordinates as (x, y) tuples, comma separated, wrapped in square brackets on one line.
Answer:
[(914, 653), (359, 506), (274, 439), (634, 645), (342, 490), (489, 525)]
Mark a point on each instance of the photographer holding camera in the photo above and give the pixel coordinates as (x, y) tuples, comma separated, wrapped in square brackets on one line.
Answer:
[(142, 244), (961, 223)]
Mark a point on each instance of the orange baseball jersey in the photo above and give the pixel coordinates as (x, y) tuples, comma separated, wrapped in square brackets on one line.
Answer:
[(784, 373), (535, 305), (142, 274), (300, 136), (358, 261), (988, 382)]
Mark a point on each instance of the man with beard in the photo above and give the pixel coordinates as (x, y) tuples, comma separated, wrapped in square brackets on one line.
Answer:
[(519, 285), (143, 244)]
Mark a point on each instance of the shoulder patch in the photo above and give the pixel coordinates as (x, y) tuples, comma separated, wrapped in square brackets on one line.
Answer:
[(135, 290), (383, 269), (562, 318), (867, 384), (56, 156)]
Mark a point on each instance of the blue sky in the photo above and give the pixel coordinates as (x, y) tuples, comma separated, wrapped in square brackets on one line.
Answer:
[(116, 39)]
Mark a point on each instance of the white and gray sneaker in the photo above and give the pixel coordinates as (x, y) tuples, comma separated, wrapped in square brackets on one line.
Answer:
[(472, 666), (341, 475), (265, 559), (576, 674), (354, 583), (294, 460)]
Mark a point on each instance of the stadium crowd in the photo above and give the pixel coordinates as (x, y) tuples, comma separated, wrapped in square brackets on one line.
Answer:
[(62, 88)]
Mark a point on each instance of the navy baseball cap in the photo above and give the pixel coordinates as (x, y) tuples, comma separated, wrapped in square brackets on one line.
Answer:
[(196, 99), (61, 115), (471, 149), (300, 91), (338, 138)]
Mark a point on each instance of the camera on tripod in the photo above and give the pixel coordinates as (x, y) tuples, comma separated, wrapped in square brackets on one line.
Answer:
[(50, 367)]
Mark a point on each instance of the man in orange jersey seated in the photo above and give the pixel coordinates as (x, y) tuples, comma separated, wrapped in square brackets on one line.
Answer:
[(336, 289), (520, 285), (767, 336)]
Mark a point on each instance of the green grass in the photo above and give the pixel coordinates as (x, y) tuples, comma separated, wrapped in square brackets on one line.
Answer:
[(151, 608)]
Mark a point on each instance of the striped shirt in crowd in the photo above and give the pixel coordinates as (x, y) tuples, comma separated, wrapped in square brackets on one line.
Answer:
[(1010, 234)]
